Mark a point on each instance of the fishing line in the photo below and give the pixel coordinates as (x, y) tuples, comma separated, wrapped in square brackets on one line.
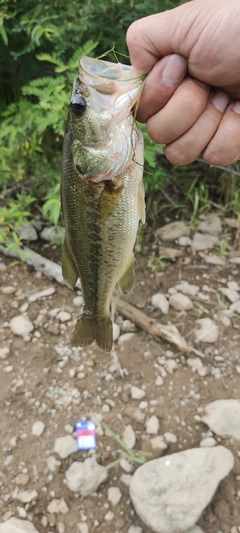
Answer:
[(115, 53)]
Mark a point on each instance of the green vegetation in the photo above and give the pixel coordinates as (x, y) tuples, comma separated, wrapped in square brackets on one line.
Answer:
[(40, 46)]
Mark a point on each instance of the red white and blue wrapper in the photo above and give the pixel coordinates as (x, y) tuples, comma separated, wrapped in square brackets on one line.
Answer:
[(86, 435)]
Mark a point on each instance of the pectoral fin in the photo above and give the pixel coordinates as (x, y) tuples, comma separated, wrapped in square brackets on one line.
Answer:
[(69, 270), (109, 199), (127, 280), (141, 202)]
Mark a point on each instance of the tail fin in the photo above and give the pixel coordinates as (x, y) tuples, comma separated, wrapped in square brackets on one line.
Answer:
[(89, 329)]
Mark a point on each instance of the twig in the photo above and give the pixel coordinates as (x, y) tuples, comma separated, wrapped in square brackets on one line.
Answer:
[(47, 267), (167, 332)]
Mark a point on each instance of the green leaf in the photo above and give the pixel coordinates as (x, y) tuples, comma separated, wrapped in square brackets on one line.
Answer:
[(3, 34)]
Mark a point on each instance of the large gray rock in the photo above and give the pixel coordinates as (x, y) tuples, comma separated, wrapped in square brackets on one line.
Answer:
[(210, 223), (172, 231), (52, 233), (223, 417), (203, 242), (14, 525), (169, 494), (85, 477), (28, 233)]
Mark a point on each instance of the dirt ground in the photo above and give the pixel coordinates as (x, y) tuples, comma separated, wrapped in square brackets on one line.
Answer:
[(53, 383)]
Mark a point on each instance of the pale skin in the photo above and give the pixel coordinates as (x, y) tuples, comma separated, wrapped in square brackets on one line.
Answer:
[(191, 98)]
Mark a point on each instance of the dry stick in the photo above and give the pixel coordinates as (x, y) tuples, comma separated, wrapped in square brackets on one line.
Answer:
[(167, 332), (47, 267), (52, 270)]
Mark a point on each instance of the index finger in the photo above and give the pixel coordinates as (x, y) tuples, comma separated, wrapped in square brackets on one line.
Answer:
[(160, 85)]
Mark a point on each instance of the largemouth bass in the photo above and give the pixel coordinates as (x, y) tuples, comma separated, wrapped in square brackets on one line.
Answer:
[(102, 192)]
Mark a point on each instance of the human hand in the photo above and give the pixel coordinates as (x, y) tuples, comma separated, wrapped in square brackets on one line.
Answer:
[(198, 113)]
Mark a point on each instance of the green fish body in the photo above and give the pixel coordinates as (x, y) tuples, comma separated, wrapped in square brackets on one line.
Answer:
[(102, 193)]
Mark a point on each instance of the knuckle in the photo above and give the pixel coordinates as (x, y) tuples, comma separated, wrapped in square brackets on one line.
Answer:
[(176, 155), (155, 133), (132, 36)]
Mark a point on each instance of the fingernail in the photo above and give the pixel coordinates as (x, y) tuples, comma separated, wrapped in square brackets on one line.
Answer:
[(220, 101), (236, 107), (175, 69)]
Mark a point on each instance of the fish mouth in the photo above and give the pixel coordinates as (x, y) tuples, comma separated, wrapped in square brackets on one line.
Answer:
[(105, 69), (110, 85)]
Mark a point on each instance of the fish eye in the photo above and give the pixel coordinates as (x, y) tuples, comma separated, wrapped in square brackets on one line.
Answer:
[(78, 105)]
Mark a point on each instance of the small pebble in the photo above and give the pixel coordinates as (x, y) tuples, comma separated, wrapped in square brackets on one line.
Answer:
[(135, 529), (4, 352), (78, 301), (27, 496), (180, 302), (207, 330), (129, 437), (126, 465), (170, 437), (195, 363), (21, 325), (38, 428), (58, 506), (8, 460), (231, 294), (114, 495), (8, 369), (109, 516), (152, 425), (116, 331), (125, 337), (83, 527), (22, 512), (22, 479), (129, 326), (64, 316), (8, 290), (126, 479), (137, 393), (159, 381), (160, 301)]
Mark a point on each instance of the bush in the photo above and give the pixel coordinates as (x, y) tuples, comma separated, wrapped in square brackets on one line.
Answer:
[(38, 65)]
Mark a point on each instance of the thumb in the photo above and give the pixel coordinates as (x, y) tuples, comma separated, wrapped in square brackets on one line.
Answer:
[(151, 38)]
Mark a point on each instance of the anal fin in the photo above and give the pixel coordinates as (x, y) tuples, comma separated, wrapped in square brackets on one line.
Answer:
[(69, 271)]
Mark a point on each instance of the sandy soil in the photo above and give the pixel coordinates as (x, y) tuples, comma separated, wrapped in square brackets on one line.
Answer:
[(41, 386)]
